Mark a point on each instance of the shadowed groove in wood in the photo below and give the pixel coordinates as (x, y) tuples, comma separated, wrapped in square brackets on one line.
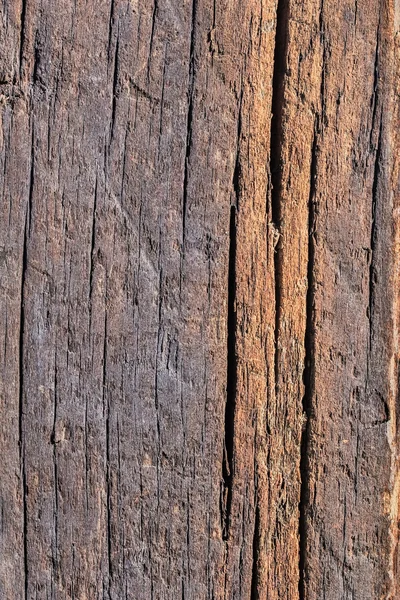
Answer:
[(22, 349), (22, 35), (255, 593), (373, 270), (280, 58), (21, 441), (231, 382), (189, 125), (308, 375)]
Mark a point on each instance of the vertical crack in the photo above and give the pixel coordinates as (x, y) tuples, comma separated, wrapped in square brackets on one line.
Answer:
[(322, 90), (22, 35), (106, 400), (189, 120), (308, 375), (153, 29), (115, 86), (87, 469), (374, 233), (110, 28), (162, 102), (54, 442), (160, 339), (188, 144), (92, 246), (31, 182), (375, 91), (231, 383), (280, 59), (21, 406), (237, 173), (256, 551), (21, 442)]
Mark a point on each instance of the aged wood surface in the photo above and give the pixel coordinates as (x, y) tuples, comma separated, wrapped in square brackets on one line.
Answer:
[(199, 320)]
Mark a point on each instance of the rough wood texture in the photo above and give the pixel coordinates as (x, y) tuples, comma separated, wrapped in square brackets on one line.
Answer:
[(199, 316)]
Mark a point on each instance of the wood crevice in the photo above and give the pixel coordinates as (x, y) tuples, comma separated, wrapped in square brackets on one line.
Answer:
[(255, 592), (373, 271), (308, 373), (189, 122), (276, 141), (115, 86), (231, 382), (21, 436), (22, 35)]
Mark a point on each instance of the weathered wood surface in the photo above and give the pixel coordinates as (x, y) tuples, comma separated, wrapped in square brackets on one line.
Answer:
[(199, 318)]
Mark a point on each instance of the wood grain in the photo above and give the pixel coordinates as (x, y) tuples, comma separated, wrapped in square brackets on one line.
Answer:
[(199, 312)]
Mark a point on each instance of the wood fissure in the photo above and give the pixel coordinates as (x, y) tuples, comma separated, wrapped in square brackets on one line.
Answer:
[(92, 250), (54, 442), (31, 180), (255, 595), (189, 123), (153, 28), (22, 34), (110, 28), (106, 411), (376, 90), (237, 173), (373, 274), (21, 424), (280, 58), (323, 41), (308, 375), (231, 382), (115, 85)]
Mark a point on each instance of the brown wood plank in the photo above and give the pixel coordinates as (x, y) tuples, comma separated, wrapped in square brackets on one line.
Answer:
[(199, 316)]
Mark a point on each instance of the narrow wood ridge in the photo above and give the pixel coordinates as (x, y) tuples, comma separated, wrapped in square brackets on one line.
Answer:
[(308, 377), (274, 211), (231, 383)]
